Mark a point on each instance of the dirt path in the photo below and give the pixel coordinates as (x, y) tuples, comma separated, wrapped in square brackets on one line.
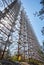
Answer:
[(24, 63)]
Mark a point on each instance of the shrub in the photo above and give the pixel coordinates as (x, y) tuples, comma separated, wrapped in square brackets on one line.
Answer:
[(35, 62), (14, 58)]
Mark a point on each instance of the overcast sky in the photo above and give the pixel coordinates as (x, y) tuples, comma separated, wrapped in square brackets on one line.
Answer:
[(30, 7)]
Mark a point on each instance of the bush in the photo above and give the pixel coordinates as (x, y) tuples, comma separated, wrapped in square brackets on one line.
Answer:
[(34, 62), (14, 58)]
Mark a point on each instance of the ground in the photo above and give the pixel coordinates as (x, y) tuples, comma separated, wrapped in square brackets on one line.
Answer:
[(7, 62), (24, 63)]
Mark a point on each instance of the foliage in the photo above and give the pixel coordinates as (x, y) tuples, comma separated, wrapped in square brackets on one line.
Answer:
[(14, 58), (32, 61), (41, 54), (35, 62), (42, 30), (41, 12)]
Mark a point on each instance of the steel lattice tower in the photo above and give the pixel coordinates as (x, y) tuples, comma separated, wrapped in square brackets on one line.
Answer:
[(14, 19)]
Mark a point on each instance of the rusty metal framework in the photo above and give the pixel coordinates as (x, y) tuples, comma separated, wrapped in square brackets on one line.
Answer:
[(16, 31)]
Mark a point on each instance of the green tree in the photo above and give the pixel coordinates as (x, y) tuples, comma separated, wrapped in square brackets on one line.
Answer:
[(42, 31), (41, 12)]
